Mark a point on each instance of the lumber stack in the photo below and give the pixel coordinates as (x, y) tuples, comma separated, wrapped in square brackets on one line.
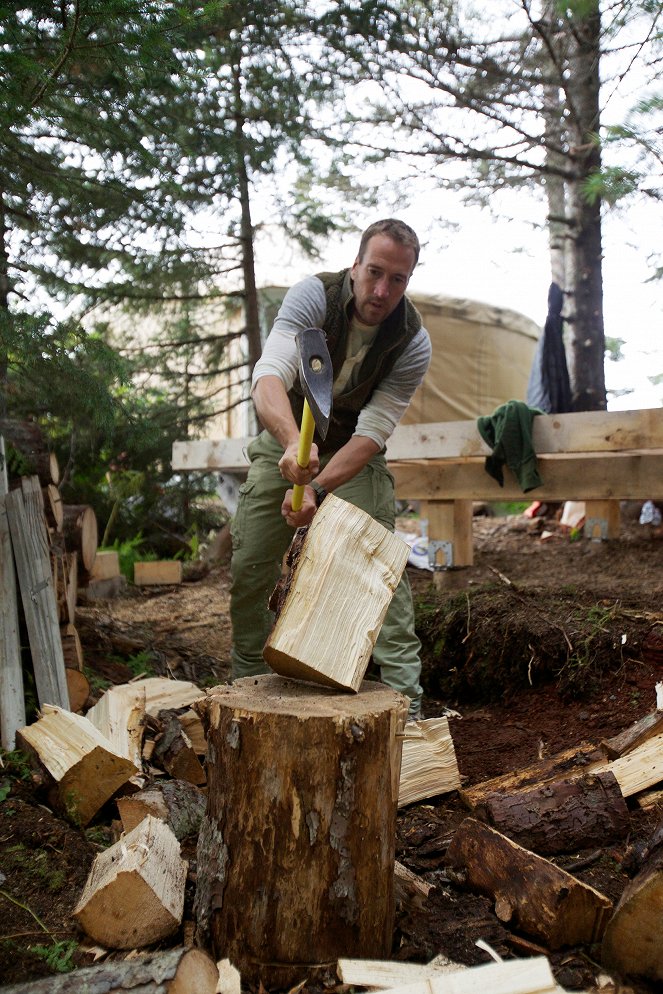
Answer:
[(47, 549)]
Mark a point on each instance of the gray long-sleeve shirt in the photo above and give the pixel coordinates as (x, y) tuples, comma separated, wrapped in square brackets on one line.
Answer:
[(305, 306)]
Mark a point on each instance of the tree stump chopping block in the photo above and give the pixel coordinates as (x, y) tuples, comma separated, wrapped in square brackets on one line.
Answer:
[(296, 852)]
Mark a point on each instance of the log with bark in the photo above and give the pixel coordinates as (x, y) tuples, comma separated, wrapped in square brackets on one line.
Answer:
[(134, 895), (177, 802), (343, 572), (296, 851), (84, 769), (174, 752), (561, 816), (53, 507), (531, 894), (175, 971)]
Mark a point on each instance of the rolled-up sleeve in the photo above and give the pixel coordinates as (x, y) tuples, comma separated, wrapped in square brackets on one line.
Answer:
[(304, 306)]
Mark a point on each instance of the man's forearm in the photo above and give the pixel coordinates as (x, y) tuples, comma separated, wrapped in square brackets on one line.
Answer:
[(347, 462), (274, 411)]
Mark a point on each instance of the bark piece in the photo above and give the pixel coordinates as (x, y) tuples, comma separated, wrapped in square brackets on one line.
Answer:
[(531, 894), (81, 534), (175, 971), (633, 736), (337, 596), (134, 895), (81, 761), (155, 573), (632, 942), (296, 850), (179, 803), (562, 816), (12, 702), (25, 512), (429, 764), (174, 752)]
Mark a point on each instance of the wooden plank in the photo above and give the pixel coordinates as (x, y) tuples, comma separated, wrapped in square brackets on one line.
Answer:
[(30, 543), (12, 703), (526, 976), (212, 454), (154, 573), (586, 431), (631, 476)]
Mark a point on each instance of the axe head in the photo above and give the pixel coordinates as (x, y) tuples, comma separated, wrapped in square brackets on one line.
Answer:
[(316, 376)]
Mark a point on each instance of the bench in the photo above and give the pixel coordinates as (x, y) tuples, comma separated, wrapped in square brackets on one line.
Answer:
[(599, 457)]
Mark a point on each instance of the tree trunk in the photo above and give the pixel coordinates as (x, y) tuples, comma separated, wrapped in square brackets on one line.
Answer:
[(588, 344), (296, 852)]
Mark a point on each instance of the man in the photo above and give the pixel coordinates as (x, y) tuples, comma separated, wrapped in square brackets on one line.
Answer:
[(380, 353)]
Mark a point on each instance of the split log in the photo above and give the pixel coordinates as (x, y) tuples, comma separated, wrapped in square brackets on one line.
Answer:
[(179, 803), (562, 816), (300, 826), (531, 894), (429, 764), (134, 895), (342, 578), (193, 726), (175, 971), (634, 735), (81, 534), (578, 760), (12, 702), (162, 693), (385, 975), (632, 942), (526, 976), (27, 526), (119, 715), (640, 768), (174, 752), (85, 769), (156, 573), (30, 456)]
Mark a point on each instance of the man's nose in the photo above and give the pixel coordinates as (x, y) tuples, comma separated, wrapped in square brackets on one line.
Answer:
[(382, 288)]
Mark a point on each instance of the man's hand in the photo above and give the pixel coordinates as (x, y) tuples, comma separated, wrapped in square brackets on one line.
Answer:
[(304, 516), (292, 471)]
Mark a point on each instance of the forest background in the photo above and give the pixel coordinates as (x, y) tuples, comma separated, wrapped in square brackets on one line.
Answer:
[(161, 161)]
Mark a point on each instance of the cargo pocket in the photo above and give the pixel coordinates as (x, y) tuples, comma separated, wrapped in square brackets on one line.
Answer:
[(239, 519)]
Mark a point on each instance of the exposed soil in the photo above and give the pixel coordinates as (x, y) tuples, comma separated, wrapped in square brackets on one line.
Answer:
[(545, 643)]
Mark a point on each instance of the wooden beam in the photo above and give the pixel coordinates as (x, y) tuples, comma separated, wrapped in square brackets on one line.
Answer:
[(211, 454), (586, 431), (630, 476), (12, 703)]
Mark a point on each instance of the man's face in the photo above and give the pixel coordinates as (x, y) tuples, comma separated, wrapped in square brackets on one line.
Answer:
[(381, 278)]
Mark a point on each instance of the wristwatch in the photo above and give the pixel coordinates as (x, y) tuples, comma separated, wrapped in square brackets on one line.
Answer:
[(320, 492)]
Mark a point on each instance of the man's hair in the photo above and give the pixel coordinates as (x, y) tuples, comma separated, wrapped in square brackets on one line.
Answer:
[(397, 230)]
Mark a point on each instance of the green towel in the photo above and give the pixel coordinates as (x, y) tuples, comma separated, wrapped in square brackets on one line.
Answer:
[(508, 431)]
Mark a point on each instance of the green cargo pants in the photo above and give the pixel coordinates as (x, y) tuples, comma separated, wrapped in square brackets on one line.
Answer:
[(260, 538)]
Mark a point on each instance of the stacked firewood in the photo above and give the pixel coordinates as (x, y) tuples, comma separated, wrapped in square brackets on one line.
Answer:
[(49, 548)]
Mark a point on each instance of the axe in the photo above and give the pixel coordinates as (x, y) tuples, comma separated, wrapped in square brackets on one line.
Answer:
[(316, 377)]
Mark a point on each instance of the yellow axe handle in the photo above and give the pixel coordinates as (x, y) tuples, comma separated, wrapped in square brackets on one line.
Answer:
[(306, 433)]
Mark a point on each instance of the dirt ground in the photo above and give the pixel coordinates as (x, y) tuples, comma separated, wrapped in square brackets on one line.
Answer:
[(548, 641)]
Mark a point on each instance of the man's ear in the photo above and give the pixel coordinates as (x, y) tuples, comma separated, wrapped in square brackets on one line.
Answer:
[(354, 267)]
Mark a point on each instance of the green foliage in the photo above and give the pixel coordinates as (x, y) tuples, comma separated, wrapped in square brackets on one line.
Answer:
[(97, 683), (59, 955), (130, 551), (141, 664), (15, 764)]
